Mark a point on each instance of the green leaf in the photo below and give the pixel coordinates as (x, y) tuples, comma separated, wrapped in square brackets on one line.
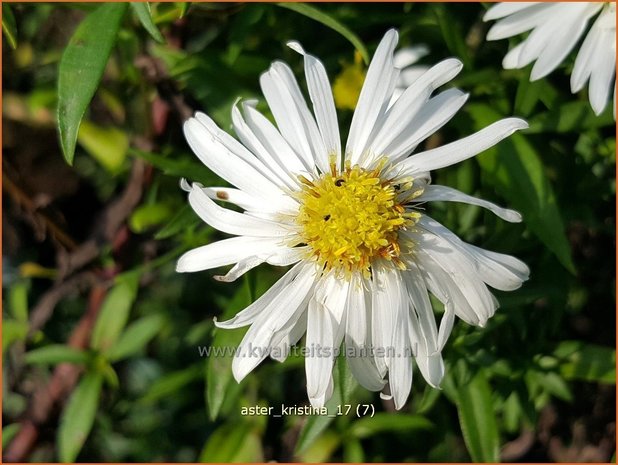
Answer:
[(344, 379), (13, 331), (113, 315), (452, 33), (587, 362), (171, 383), (135, 337), (108, 145), (232, 443), (8, 433), (388, 422), (9, 28), (81, 68), (322, 449), (477, 419), (315, 425), (142, 10), (78, 417), (219, 367), (56, 353), (515, 169), (146, 216), (570, 117), (18, 300), (184, 218), (328, 21), (179, 168)]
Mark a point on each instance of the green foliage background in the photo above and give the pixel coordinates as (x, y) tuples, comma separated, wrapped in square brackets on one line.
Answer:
[(542, 371)]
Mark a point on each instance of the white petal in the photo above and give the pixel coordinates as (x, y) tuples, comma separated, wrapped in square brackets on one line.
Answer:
[(400, 364), (446, 325), (500, 10), (231, 167), (459, 278), (358, 338), (448, 194), (237, 197), (386, 297), (421, 305), (320, 401), (230, 221), (462, 149), (432, 116), (512, 58), (293, 117), (400, 115), (323, 104), (324, 333), (560, 42), (500, 271), (281, 351), (262, 134), (284, 311), (522, 21), (281, 257), (374, 97), (250, 313), (226, 252)]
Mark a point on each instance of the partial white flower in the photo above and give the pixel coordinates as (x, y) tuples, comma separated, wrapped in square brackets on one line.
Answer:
[(555, 30), (365, 256)]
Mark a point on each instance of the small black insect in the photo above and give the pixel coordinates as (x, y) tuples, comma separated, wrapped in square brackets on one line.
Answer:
[(327, 217), (339, 182)]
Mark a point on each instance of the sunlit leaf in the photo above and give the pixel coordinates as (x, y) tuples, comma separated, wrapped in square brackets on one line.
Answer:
[(235, 442), (313, 13), (147, 216), (81, 69), (78, 417), (107, 145)]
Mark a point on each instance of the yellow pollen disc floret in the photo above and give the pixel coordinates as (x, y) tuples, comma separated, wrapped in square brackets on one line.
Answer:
[(351, 218)]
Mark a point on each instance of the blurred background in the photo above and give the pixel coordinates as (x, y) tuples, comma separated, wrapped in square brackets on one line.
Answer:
[(101, 337)]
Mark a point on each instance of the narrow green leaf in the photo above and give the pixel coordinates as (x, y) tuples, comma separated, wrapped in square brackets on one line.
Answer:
[(56, 353), (328, 21), (78, 417), (142, 10), (515, 169), (9, 27), (135, 337), (477, 419), (81, 68), (219, 366), (113, 315), (388, 422)]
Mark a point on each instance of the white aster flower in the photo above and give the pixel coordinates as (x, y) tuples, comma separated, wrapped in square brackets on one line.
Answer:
[(365, 255), (555, 29)]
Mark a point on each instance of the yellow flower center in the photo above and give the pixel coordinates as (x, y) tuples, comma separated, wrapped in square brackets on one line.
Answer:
[(353, 217)]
